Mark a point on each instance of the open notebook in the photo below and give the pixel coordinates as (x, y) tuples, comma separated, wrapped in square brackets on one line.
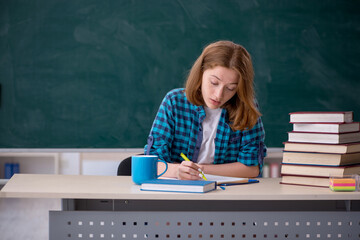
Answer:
[(225, 181)]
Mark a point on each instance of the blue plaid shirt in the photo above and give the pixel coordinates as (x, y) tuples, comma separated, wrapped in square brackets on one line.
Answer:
[(178, 128)]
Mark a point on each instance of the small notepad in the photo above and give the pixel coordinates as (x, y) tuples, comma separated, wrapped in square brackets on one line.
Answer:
[(344, 183), (167, 185)]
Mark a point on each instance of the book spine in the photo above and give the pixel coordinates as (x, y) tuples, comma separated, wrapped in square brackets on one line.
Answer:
[(305, 185), (266, 171), (329, 133), (8, 170), (329, 112), (15, 168), (274, 170)]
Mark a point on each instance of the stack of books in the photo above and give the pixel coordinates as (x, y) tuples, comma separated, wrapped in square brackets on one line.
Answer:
[(321, 144)]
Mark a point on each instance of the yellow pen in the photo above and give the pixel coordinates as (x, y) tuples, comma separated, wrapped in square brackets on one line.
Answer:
[(186, 159)]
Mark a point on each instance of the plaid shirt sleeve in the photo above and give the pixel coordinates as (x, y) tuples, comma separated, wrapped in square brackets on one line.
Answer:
[(253, 149), (162, 131)]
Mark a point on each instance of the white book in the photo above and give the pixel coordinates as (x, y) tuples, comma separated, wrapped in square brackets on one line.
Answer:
[(327, 127), (305, 180), (317, 117), (332, 138), (322, 147)]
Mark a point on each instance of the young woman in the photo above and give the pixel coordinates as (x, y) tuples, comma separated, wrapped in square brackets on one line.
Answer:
[(214, 121)]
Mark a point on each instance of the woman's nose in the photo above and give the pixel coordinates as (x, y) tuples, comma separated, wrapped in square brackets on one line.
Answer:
[(219, 93)]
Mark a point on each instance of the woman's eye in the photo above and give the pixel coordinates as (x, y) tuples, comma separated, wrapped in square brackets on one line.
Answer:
[(231, 89), (213, 83)]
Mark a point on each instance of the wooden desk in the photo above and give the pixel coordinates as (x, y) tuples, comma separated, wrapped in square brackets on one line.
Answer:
[(121, 187), (112, 207)]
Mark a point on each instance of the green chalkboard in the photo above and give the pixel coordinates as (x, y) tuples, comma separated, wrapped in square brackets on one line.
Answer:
[(91, 74)]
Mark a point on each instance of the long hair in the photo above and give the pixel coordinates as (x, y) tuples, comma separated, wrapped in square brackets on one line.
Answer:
[(241, 108)]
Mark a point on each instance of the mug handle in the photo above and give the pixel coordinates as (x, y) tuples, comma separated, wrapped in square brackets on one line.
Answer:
[(166, 167)]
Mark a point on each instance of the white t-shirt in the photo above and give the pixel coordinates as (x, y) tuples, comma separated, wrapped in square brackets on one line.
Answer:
[(209, 125)]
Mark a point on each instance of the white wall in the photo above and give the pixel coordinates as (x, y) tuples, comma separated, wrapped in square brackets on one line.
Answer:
[(80, 161)]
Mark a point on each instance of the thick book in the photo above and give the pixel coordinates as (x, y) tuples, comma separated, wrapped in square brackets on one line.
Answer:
[(322, 147), (327, 127), (305, 180), (318, 170), (333, 159), (339, 117), (332, 138), (170, 185)]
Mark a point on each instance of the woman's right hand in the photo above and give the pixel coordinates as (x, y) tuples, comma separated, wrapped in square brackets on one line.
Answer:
[(188, 171), (185, 170)]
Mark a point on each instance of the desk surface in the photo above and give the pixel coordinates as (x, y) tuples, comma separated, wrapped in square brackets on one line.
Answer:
[(121, 187)]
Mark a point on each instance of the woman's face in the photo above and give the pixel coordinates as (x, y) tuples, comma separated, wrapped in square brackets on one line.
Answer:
[(218, 86)]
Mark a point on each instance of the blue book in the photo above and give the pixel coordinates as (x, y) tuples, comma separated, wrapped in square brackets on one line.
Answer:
[(189, 186), (8, 171), (15, 168)]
